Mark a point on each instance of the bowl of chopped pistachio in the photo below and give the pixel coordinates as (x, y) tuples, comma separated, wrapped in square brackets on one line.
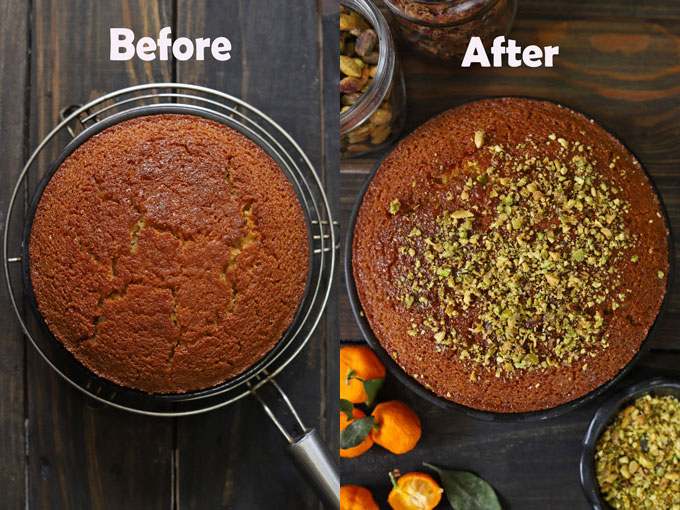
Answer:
[(631, 452)]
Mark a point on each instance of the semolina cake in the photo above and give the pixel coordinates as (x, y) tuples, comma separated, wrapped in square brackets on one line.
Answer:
[(511, 255), (168, 253)]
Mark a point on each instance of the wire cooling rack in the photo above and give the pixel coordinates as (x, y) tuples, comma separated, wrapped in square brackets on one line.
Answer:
[(145, 99)]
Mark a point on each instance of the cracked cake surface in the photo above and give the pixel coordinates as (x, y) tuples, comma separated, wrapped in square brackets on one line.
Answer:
[(168, 253), (511, 255)]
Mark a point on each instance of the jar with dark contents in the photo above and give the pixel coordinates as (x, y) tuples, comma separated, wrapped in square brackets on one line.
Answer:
[(442, 29), (372, 90)]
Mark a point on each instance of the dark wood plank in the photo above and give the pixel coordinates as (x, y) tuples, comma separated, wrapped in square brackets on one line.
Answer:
[(13, 74), (532, 466), (609, 8), (234, 457), (71, 63), (330, 45), (81, 454), (350, 186), (274, 68)]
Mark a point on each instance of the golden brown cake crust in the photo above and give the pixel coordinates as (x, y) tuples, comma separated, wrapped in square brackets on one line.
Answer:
[(168, 253), (464, 161)]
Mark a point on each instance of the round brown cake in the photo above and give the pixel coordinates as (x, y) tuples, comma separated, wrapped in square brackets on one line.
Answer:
[(510, 255), (168, 253)]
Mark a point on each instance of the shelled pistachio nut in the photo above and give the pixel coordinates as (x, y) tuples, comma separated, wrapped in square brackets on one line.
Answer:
[(359, 56)]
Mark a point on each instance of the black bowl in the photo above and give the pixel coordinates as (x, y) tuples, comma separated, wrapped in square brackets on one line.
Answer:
[(433, 398), (658, 386)]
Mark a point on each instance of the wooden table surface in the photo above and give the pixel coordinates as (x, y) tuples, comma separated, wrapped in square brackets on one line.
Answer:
[(619, 62), (60, 449)]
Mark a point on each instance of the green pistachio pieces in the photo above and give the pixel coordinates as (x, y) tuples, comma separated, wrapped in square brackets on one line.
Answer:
[(534, 260), (637, 461), (394, 206)]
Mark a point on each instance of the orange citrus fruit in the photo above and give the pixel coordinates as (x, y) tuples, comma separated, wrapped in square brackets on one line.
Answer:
[(359, 449), (354, 497), (366, 366), (398, 427), (415, 491)]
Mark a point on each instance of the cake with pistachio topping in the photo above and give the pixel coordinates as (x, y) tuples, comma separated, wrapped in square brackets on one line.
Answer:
[(511, 255)]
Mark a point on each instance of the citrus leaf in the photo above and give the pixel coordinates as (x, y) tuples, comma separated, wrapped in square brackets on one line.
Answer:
[(372, 387), (466, 491), (355, 433), (347, 407), (350, 376)]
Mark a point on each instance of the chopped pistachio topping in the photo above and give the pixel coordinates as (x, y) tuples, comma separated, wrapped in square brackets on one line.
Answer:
[(479, 139), (523, 277), (394, 206), (637, 460)]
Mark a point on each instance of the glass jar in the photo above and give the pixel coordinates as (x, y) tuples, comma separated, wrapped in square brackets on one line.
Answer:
[(375, 119), (442, 29)]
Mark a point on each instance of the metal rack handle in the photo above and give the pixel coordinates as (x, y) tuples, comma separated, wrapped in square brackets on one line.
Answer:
[(307, 450), (65, 112)]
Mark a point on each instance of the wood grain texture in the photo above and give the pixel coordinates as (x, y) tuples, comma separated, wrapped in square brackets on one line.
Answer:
[(70, 64), (330, 46), (619, 62), (608, 8), (13, 56), (234, 458), (81, 454)]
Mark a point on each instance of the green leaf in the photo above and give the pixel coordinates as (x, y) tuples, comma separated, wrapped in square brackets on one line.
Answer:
[(466, 491), (347, 407), (372, 387), (355, 433)]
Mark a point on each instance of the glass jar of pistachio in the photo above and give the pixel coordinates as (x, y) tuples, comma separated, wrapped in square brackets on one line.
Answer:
[(442, 28), (372, 91)]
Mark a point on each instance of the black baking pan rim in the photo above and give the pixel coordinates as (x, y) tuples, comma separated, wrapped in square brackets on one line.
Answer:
[(431, 397), (65, 356)]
